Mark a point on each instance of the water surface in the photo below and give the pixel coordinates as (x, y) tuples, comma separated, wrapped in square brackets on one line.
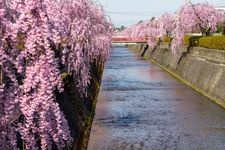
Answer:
[(140, 106)]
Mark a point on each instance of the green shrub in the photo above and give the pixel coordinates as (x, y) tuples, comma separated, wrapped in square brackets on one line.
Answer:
[(191, 40), (166, 39), (186, 40), (212, 42)]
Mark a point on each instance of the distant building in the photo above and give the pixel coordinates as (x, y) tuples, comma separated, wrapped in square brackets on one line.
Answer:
[(220, 8)]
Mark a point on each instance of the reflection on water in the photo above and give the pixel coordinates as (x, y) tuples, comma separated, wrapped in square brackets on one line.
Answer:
[(142, 107)]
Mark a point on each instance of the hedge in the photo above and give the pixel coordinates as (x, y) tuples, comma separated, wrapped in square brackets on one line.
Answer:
[(211, 42), (166, 39), (191, 40)]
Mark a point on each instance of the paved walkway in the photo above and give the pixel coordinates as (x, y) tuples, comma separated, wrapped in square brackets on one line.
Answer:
[(142, 107)]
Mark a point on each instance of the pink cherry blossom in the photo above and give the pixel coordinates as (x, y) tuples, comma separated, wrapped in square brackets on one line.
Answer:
[(36, 37), (200, 17)]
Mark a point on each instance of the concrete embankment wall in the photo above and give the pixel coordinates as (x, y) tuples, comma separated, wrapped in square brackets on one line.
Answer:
[(80, 110), (200, 68)]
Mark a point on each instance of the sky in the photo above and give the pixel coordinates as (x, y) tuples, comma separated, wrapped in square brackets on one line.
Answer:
[(127, 12)]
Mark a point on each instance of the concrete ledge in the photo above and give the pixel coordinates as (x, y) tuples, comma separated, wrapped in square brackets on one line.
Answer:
[(217, 56), (200, 68)]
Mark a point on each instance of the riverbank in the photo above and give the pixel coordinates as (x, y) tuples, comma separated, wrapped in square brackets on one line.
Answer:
[(200, 68), (79, 110)]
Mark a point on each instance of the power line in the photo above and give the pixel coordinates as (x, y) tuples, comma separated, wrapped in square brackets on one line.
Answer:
[(138, 13), (125, 21)]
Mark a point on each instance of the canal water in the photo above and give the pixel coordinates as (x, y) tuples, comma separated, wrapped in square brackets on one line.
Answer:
[(140, 106)]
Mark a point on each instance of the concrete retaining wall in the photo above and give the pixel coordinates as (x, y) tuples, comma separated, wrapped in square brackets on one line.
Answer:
[(200, 68), (78, 110)]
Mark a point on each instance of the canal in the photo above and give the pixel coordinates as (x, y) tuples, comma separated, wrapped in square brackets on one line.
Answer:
[(140, 106)]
